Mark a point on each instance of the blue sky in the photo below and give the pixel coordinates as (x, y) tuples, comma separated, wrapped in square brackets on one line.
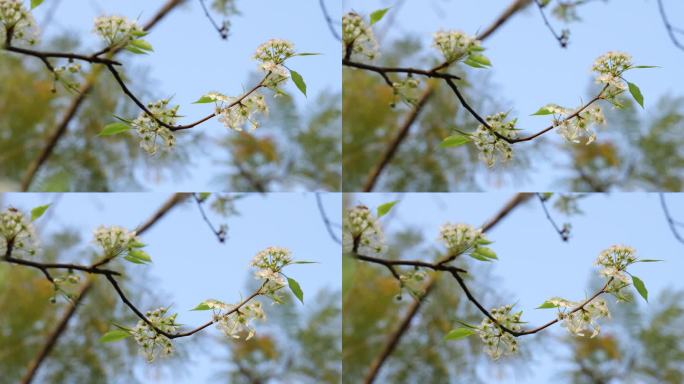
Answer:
[(190, 59), (534, 264), (190, 264), (530, 69)]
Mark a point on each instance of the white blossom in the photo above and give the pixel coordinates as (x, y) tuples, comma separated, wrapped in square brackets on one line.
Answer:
[(455, 45), (498, 342), (357, 37), (406, 90), (239, 323), (151, 343), (115, 240), (583, 321), (117, 31), (460, 238), (490, 144), (272, 54), (235, 115), (150, 130), (579, 127), (270, 263), (615, 260), (413, 281), (16, 18), (609, 68), (362, 229), (16, 228)]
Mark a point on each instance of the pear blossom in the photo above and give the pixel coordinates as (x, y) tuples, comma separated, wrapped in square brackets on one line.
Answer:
[(455, 45), (413, 281), (239, 322), (272, 54), (17, 20), (609, 68), (578, 127), (117, 31), (406, 90), (490, 144), (150, 130), (235, 116), (615, 261), (16, 228), (460, 238), (270, 263), (583, 321), (498, 342), (151, 343), (115, 240), (362, 230), (357, 37)]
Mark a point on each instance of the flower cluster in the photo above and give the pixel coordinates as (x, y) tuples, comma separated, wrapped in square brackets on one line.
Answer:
[(234, 115), (456, 45), (236, 323), (615, 261), (413, 282), (115, 240), (150, 130), (358, 37), (362, 231), (17, 21), (581, 321), (272, 54), (498, 342), (488, 143), (117, 31), (579, 127), (15, 228), (460, 238), (609, 68), (406, 90), (270, 263), (153, 344)]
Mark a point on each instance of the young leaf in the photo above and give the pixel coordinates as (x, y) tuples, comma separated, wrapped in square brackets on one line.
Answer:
[(37, 212), (644, 66), (473, 63), (141, 44), (547, 305), (486, 252), (114, 336), (304, 262), (648, 261), (133, 260), (384, 209), (140, 255), (114, 128), (201, 307), (480, 59), (204, 100), (136, 50), (477, 256), (299, 81), (307, 54), (454, 141), (296, 289), (542, 111), (36, 3), (377, 15), (459, 333), (636, 93), (640, 287)]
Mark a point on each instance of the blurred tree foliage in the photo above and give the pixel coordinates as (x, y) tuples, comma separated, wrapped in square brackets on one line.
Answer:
[(632, 152), (297, 345)]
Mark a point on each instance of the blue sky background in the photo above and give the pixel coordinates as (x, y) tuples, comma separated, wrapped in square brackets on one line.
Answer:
[(190, 264), (534, 264), (190, 59), (529, 67)]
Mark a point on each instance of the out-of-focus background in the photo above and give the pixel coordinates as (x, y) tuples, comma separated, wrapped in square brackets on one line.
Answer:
[(296, 343), (297, 147), (638, 149), (641, 343)]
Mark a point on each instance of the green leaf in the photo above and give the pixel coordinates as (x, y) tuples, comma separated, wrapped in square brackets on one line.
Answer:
[(307, 54), (547, 305), (478, 256), (141, 44), (133, 260), (114, 128), (135, 50), (37, 212), (542, 111), (296, 289), (480, 59), (454, 141), (139, 33), (138, 244), (204, 100), (643, 66), (640, 287), (459, 333), (636, 93), (305, 262), (36, 3), (384, 209), (473, 63), (378, 15), (298, 80), (122, 119), (483, 241), (141, 255), (648, 261), (486, 252), (201, 307), (112, 336)]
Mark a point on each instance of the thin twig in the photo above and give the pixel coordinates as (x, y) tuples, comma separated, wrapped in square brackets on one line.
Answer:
[(329, 21), (219, 233), (671, 30), (670, 221), (223, 29), (326, 220), (563, 37), (564, 233)]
